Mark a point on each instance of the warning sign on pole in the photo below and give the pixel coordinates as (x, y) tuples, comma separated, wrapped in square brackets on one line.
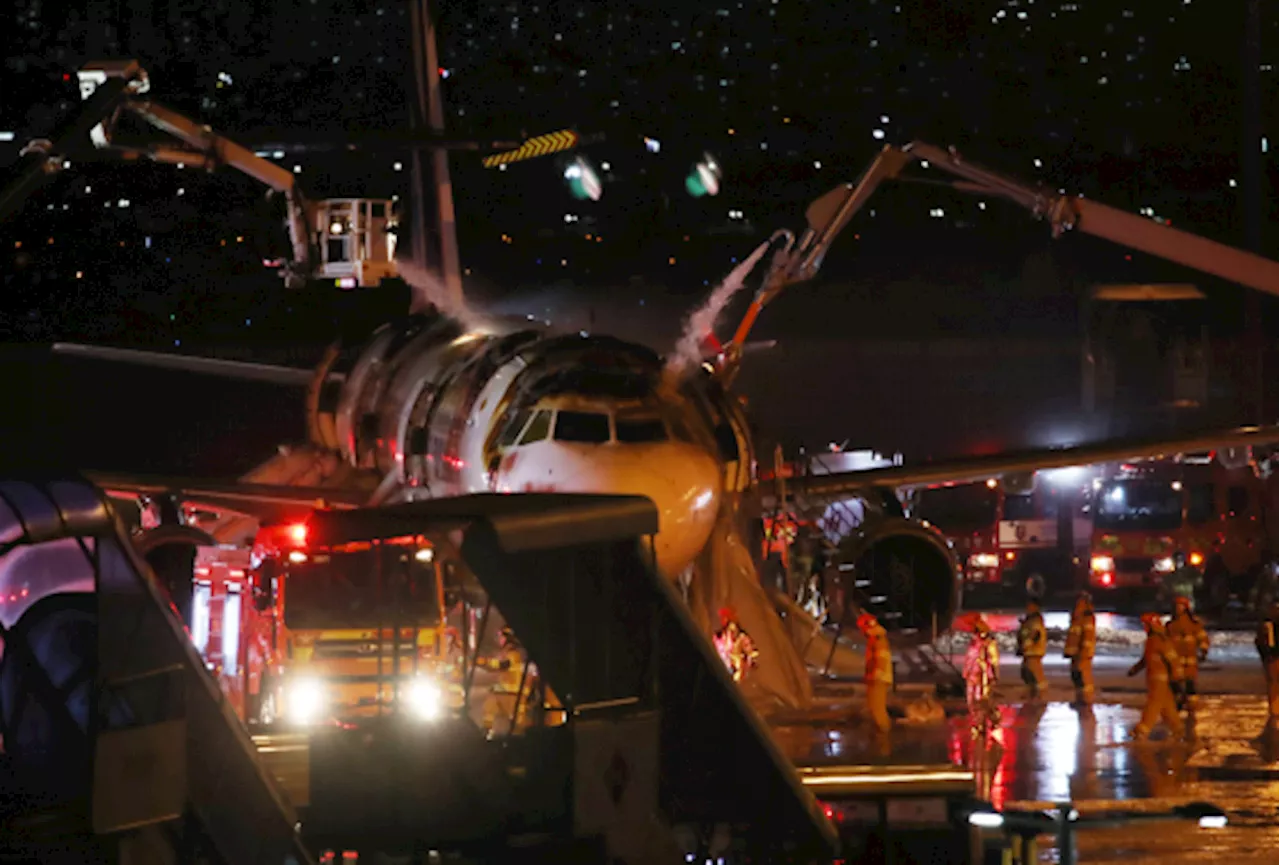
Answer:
[(541, 145)]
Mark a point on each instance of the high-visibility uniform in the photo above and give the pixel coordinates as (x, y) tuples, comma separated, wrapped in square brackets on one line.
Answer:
[(1162, 664), (878, 676), (981, 671), (1082, 640), (1190, 641), (736, 649), (1266, 642), (1032, 643)]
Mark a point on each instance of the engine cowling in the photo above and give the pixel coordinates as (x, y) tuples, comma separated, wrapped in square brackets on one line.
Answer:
[(902, 571)]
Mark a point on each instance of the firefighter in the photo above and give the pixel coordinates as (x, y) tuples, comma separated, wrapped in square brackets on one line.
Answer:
[(1185, 579), (735, 646), (509, 664), (878, 672), (1266, 641), (1082, 639), (1161, 662), (1189, 639), (1032, 642), (981, 672)]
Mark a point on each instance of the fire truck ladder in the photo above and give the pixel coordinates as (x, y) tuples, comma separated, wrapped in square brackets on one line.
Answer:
[(118, 745)]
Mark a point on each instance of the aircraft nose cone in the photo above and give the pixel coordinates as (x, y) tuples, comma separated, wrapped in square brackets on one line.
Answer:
[(684, 484), (681, 480)]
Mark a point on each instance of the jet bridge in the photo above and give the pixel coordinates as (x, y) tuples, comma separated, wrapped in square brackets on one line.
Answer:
[(659, 757), (117, 745)]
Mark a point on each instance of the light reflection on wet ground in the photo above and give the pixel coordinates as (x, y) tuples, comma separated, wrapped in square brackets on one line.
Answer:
[(1053, 752)]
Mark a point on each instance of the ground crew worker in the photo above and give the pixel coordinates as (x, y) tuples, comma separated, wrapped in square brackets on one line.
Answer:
[(735, 646), (1082, 640), (1189, 639), (878, 671), (981, 672), (1160, 660), (1266, 641), (1032, 642)]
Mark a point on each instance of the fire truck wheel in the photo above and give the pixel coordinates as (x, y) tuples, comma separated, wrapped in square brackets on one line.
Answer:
[(1036, 586)]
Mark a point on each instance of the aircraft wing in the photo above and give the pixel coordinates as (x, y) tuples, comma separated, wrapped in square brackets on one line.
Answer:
[(274, 502), (233, 369), (969, 469)]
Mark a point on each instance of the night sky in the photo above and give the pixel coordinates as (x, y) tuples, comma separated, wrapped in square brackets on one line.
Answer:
[(937, 326)]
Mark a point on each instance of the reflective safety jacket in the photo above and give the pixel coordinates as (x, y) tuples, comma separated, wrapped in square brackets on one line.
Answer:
[(1160, 659), (879, 660), (736, 649), (981, 665), (1082, 636), (1189, 638), (1266, 640), (1032, 639)]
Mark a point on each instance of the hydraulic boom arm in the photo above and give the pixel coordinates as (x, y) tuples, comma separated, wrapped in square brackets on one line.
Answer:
[(205, 149), (827, 216)]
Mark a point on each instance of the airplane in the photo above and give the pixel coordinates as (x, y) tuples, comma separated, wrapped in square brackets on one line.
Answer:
[(430, 407)]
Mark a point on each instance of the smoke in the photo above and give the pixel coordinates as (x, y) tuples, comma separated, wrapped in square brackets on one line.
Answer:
[(429, 290), (688, 350)]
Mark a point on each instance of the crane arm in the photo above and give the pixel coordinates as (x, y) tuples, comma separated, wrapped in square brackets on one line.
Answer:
[(828, 215), (1067, 212), (209, 150)]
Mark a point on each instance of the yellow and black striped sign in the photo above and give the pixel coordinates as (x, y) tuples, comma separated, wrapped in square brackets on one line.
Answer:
[(541, 145)]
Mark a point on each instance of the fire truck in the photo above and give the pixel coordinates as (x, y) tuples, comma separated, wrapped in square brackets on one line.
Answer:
[(1013, 543), (300, 635), (1220, 517)]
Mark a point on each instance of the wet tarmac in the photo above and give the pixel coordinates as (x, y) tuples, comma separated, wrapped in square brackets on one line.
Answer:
[(1052, 752)]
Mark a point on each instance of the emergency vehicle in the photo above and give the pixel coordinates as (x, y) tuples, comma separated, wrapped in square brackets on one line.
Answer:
[(1013, 543), (1220, 518), (301, 635)]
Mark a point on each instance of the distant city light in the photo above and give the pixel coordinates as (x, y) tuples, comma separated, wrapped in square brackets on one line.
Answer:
[(877, 134), (398, 166), (1037, 163), (817, 163), (1232, 183), (884, 118), (297, 169), (652, 145), (6, 136)]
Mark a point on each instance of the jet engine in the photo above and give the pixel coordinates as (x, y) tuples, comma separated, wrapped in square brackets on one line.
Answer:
[(902, 571)]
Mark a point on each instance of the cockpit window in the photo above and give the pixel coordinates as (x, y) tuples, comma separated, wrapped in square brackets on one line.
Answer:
[(636, 430), (581, 426), (538, 428), (513, 429)]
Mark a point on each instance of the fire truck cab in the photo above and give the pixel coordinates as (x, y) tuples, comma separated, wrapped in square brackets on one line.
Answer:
[(299, 635), (351, 628), (1012, 543), (1220, 518)]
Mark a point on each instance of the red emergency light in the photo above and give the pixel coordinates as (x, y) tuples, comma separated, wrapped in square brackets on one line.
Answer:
[(1107, 578), (298, 534)]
